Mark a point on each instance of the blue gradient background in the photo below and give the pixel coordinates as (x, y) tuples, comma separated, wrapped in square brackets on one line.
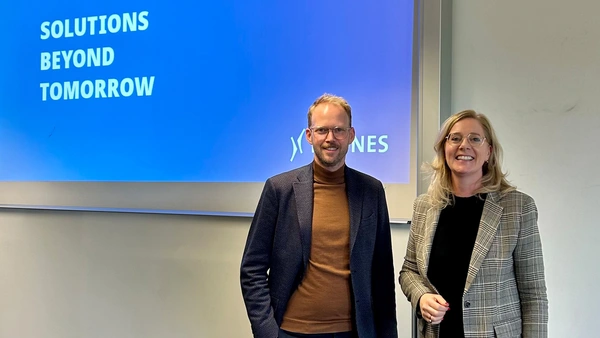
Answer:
[(233, 82)]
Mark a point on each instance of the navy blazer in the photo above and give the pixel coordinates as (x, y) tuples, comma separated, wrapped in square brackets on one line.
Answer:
[(278, 248)]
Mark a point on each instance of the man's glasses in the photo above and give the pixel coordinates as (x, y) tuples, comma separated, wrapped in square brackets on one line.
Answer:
[(338, 132), (455, 139)]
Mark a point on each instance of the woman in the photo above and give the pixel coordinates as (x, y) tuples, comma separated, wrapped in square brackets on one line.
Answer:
[(473, 264)]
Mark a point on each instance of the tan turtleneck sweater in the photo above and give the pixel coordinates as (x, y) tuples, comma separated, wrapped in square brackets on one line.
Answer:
[(322, 303)]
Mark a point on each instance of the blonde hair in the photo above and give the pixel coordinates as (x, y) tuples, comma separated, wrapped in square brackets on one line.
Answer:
[(493, 179), (330, 98)]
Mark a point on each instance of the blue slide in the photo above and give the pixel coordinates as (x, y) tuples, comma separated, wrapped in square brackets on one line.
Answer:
[(198, 91)]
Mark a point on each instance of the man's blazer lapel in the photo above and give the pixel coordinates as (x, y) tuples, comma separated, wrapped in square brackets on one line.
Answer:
[(355, 204), (488, 226), (303, 193)]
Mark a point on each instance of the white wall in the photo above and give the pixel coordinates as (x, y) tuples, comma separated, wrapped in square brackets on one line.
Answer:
[(75, 274), (534, 68), (98, 275)]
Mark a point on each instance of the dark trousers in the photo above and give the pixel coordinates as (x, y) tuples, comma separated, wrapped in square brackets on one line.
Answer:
[(286, 334)]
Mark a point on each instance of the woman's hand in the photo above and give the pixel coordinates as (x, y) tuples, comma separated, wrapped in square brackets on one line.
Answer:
[(433, 308)]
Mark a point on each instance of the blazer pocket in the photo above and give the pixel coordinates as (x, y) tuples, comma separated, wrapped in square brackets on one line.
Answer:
[(368, 219), (514, 328)]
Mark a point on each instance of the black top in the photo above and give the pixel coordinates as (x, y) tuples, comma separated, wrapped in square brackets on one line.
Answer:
[(450, 256)]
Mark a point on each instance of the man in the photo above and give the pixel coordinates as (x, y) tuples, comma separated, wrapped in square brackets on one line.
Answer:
[(318, 258)]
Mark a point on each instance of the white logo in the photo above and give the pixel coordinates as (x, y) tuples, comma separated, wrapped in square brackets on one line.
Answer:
[(361, 144), (297, 145)]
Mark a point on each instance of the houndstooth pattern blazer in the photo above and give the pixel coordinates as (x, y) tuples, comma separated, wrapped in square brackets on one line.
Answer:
[(505, 291)]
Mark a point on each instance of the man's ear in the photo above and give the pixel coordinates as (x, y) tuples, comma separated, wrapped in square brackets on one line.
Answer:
[(308, 134), (352, 134)]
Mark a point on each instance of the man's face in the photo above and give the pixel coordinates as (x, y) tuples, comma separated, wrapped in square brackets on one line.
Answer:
[(330, 150)]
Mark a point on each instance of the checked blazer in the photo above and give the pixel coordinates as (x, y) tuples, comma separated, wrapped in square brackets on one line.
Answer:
[(505, 291)]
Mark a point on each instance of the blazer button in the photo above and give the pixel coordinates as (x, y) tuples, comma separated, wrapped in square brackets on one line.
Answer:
[(467, 304)]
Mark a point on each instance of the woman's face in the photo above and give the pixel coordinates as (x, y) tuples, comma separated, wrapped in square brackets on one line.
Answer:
[(466, 150)]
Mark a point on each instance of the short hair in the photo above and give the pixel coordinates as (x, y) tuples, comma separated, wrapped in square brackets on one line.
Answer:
[(493, 179), (330, 98)]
